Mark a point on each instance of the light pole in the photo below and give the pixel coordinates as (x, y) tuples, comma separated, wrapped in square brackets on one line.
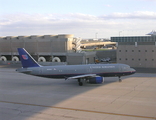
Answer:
[(119, 33), (96, 35)]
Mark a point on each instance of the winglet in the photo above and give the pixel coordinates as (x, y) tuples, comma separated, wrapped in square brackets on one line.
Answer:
[(26, 59)]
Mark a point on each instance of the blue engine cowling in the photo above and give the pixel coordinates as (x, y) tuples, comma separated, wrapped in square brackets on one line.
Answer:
[(96, 80)]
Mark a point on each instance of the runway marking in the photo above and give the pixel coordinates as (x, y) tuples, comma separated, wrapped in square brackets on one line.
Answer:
[(82, 110)]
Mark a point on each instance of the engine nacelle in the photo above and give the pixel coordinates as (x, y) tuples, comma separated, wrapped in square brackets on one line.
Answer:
[(96, 80)]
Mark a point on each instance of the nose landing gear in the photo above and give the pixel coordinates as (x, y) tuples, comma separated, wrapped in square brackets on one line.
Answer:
[(120, 80)]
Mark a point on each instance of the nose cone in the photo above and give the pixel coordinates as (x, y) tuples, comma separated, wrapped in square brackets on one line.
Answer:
[(132, 70)]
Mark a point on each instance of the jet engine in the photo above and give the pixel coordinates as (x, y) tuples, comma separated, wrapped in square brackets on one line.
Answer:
[(96, 80)]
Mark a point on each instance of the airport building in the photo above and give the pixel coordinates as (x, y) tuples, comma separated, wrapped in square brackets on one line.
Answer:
[(137, 51), (47, 48)]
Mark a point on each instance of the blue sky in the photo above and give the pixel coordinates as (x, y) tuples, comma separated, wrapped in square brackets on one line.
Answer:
[(83, 18)]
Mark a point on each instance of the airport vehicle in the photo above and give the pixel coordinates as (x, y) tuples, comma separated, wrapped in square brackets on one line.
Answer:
[(92, 73)]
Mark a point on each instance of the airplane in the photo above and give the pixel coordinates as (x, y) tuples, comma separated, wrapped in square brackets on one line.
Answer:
[(92, 73)]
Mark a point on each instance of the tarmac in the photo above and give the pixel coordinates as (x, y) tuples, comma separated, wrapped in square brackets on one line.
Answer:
[(25, 97)]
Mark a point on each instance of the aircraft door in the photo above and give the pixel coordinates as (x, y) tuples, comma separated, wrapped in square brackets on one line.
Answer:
[(40, 71), (89, 70), (120, 68)]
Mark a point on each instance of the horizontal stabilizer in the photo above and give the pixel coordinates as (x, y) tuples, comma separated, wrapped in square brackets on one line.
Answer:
[(24, 70)]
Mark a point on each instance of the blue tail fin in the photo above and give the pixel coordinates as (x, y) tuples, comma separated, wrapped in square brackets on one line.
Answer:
[(26, 59)]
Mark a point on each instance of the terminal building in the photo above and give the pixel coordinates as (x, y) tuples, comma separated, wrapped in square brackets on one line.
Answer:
[(137, 51), (46, 48)]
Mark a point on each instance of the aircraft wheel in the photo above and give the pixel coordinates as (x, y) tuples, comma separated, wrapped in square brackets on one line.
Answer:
[(120, 79), (80, 83)]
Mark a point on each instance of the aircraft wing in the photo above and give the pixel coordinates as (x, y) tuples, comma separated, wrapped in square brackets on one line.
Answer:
[(81, 76)]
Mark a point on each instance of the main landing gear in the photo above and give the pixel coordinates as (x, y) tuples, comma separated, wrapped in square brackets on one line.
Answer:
[(80, 82)]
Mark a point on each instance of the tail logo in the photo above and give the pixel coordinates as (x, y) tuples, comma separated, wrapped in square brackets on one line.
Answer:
[(25, 57)]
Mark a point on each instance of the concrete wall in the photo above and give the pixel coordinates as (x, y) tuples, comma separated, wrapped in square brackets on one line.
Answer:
[(47, 46), (35, 44), (143, 56), (81, 58)]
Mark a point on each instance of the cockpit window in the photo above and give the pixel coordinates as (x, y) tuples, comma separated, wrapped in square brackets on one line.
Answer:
[(126, 67)]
